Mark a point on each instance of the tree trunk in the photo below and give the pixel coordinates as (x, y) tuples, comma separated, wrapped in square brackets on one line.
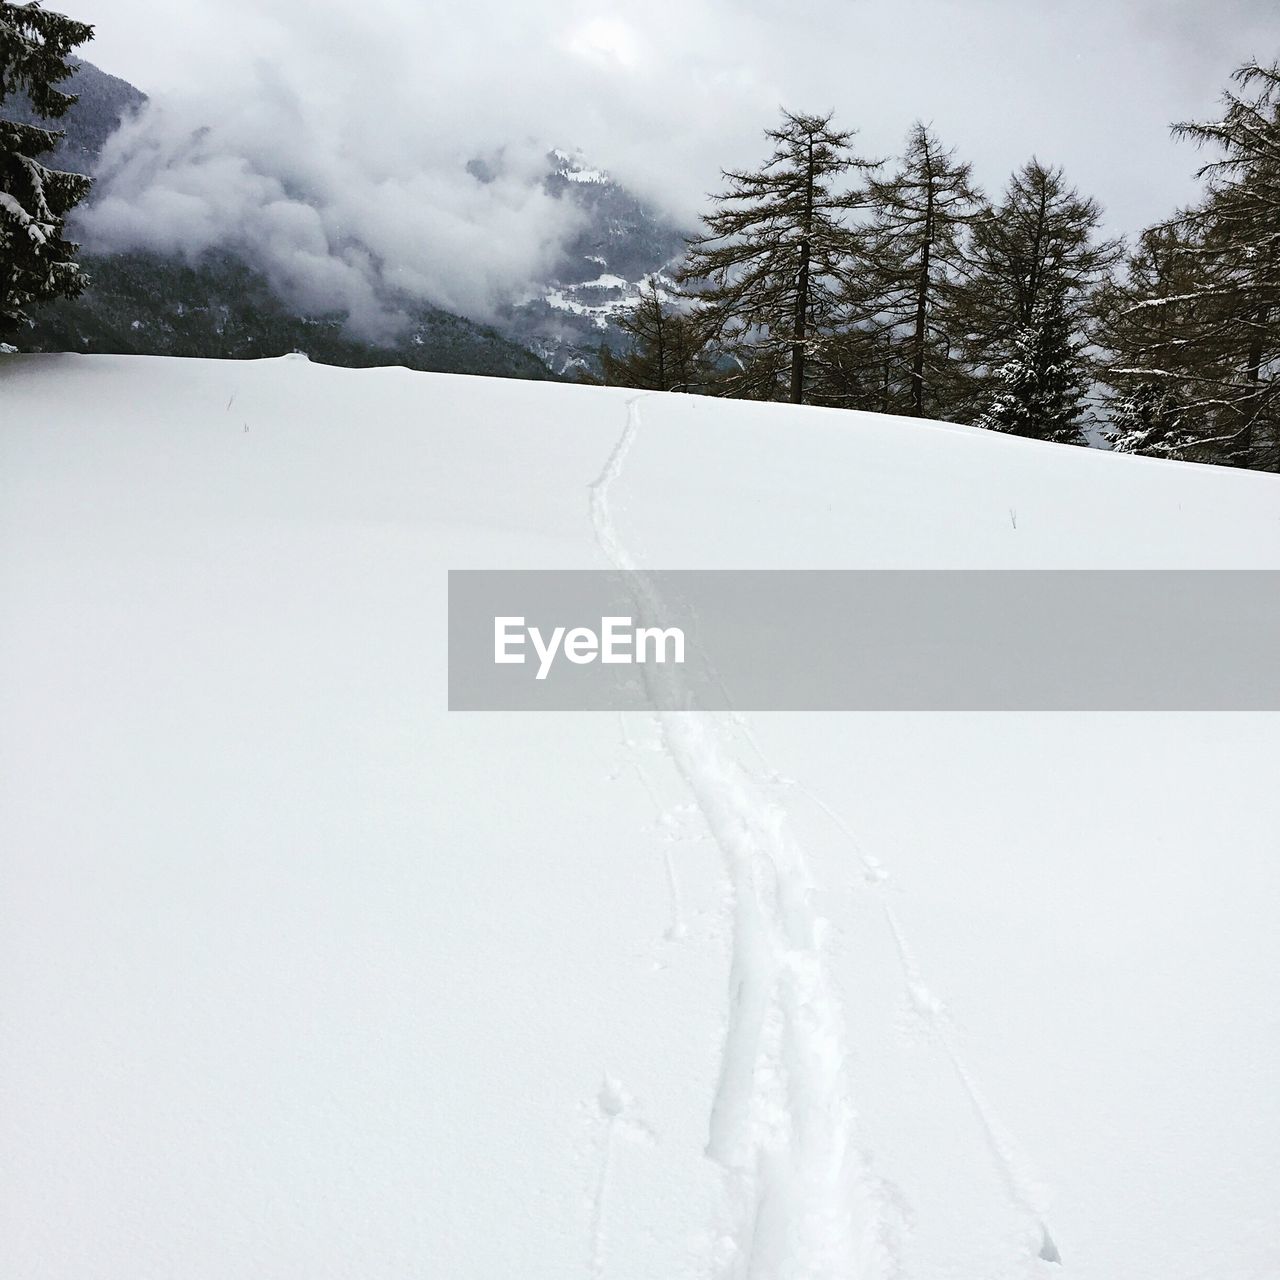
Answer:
[(1033, 273), (802, 290), (802, 309), (922, 312), (1262, 438), (662, 354)]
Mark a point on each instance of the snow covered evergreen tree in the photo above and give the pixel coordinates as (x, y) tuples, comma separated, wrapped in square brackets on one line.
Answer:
[(1025, 303), (1042, 383), (767, 275), (36, 260), (905, 279), (1147, 419)]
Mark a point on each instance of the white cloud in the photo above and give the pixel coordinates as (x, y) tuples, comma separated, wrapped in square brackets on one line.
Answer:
[(334, 222), (338, 134), (605, 40)]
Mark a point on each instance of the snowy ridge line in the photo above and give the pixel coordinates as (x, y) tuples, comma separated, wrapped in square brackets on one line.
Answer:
[(804, 1203)]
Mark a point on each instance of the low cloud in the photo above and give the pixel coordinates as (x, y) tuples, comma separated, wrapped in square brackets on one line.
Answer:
[(339, 157), (334, 226)]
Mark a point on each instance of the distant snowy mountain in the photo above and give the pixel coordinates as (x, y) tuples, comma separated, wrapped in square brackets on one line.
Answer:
[(624, 241), (221, 305), (144, 302)]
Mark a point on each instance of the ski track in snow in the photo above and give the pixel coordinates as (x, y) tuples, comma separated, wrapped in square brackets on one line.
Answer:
[(616, 1108), (1021, 1188), (599, 1201), (677, 929), (804, 1200)]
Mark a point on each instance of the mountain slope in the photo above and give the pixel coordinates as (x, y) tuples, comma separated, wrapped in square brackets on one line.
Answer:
[(104, 101), (623, 241), (221, 307), (305, 976)]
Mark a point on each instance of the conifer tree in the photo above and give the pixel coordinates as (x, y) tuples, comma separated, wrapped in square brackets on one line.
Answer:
[(767, 273), (1241, 226), (666, 346), (1205, 329), (861, 368), (36, 261), (1043, 381), (1170, 353), (911, 262), (1147, 419), (1036, 263)]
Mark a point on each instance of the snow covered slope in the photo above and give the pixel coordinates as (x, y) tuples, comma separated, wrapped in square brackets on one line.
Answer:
[(303, 977)]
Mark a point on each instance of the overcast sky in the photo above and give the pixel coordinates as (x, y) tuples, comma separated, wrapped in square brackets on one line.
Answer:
[(378, 103)]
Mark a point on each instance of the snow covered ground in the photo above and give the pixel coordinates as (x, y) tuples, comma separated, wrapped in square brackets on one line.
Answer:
[(304, 977)]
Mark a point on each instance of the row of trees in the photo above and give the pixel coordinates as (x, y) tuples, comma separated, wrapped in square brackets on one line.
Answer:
[(825, 278)]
